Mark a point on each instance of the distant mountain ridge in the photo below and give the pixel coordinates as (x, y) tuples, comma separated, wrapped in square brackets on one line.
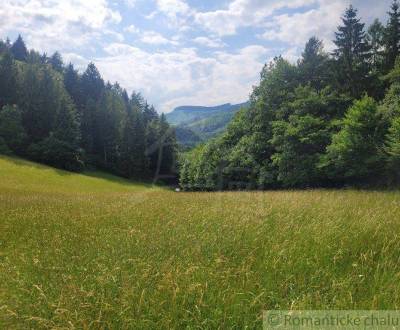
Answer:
[(195, 124)]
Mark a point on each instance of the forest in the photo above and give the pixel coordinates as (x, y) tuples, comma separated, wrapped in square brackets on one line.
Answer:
[(330, 120), (52, 114)]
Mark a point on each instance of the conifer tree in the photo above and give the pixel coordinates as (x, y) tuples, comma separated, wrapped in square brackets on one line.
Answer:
[(72, 84), (91, 83), (56, 62), (375, 38), (392, 36), (312, 66), (352, 55), (8, 80), (133, 160), (19, 50)]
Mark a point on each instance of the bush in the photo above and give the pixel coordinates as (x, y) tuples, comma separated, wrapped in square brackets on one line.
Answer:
[(57, 153)]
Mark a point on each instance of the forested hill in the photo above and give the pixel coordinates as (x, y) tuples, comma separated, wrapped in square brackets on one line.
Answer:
[(51, 113), (331, 119), (196, 124)]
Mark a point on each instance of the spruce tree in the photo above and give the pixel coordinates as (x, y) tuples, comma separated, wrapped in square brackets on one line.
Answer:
[(56, 62), (375, 38), (168, 147), (72, 85), (133, 160), (19, 50), (312, 65), (8, 80), (392, 36), (352, 55), (92, 83)]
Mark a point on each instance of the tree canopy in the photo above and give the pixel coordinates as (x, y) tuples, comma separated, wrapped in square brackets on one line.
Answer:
[(51, 113), (329, 120)]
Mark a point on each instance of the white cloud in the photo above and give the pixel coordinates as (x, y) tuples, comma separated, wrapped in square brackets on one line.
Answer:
[(131, 29), (297, 28), (58, 24), (183, 77), (173, 7), (155, 38), (177, 12), (242, 13), (208, 42)]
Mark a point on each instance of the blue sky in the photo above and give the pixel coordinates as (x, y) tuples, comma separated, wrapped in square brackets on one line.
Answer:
[(178, 52)]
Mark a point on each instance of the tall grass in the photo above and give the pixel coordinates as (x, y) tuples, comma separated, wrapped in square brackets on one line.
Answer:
[(88, 252)]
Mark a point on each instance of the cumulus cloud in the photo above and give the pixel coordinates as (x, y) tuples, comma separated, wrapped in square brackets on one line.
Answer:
[(177, 12), (172, 76), (58, 24), (209, 42), (242, 13), (155, 38), (131, 29), (184, 77)]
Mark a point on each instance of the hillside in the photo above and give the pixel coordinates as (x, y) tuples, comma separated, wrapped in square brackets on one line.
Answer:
[(95, 251), (19, 176), (195, 124)]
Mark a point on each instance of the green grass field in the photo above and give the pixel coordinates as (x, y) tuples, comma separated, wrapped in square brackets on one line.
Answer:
[(97, 252)]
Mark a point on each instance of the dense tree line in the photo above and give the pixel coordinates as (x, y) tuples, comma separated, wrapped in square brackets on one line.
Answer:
[(328, 120), (52, 114)]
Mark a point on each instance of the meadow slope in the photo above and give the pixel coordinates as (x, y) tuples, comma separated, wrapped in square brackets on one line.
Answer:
[(95, 251)]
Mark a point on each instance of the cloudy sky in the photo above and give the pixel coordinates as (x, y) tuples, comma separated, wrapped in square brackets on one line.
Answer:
[(178, 52)]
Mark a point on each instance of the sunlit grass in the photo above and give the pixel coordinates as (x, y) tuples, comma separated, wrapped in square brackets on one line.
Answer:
[(100, 252)]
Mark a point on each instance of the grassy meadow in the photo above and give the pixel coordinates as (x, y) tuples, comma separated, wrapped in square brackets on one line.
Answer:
[(97, 252)]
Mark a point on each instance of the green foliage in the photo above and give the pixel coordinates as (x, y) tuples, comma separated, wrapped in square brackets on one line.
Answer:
[(375, 38), (300, 129), (56, 62), (393, 147), (12, 132), (392, 36), (355, 150), (133, 160), (352, 56), (313, 65), (301, 140), (8, 80), (70, 121), (19, 50), (57, 153)]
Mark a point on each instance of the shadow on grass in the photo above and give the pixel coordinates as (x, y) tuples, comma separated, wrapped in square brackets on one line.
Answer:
[(89, 173)]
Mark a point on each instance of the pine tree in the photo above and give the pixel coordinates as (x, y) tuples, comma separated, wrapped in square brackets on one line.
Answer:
[(72, 84), (133, 161), (149, 114), (56, 62), (92, 83), (19, 50), (392, 37), (375, 38), (168, 147), (352, 55), (312, 65), (8, 81)]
